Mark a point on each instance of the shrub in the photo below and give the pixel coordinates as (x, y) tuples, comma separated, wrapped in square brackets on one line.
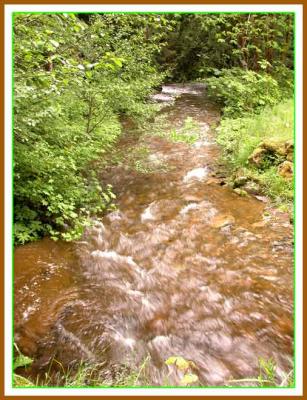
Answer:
[(240, 91), (72, 82)]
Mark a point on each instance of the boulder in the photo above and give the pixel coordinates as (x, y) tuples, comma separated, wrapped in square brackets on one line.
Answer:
[(285, 169), (257, 157), (252, 187), (289, 149), (274, 147), (290, 157), (268, 151), (289, 146), (240, 181)]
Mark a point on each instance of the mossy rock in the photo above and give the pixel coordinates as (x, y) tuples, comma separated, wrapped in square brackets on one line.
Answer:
[(240, 181), (252, 187), (274, 147), (268, 153), (289, 146), (286, 169), (257, 157), (240, 192)]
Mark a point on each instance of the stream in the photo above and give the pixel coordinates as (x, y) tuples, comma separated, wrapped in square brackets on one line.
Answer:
[(184, 267)]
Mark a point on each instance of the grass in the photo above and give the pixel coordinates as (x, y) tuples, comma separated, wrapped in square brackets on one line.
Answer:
[(86, 375), (267, 376), (239, 137)]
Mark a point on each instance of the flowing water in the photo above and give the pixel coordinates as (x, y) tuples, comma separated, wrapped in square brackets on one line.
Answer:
[(184, 267)]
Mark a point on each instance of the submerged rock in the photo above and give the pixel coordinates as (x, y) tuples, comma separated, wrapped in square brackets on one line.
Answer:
[(219, 221), (259, 224)]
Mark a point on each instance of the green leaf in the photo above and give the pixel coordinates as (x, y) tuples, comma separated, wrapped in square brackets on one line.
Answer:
[(188, 379), (180, 362), (28, 57), (54, 43), (106, 197), (21, 381), (22, 361), (118, 62)]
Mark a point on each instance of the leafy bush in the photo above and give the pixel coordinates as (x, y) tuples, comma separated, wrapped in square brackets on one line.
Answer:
[(74, 78), (240, 91), (201, 44)]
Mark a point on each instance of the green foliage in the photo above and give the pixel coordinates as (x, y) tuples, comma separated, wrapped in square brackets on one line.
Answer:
[(21, 361), (72, 82), (88, 375), (275, 186), (202, 44), (186, 367), (240, 91), (267, 372), (92, 375), (239, 137), (21, 381)]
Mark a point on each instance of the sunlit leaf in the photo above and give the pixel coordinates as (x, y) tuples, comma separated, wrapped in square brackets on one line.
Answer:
[(22, 361), (188, 379)]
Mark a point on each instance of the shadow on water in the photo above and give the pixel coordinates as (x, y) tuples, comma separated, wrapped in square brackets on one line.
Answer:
[(184, 267)]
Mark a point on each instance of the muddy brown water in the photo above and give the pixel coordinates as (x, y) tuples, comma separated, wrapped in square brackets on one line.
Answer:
[(184, 267)]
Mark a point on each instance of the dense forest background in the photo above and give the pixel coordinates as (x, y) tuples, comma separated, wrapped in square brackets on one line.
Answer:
[(77, 75)]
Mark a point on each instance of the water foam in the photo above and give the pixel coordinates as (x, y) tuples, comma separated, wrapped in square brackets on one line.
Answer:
[(147, 214), (189, 207), (198, 174)]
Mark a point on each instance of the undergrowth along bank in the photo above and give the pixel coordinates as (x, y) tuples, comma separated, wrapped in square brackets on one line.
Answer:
[(256, 132), (185, 373)]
